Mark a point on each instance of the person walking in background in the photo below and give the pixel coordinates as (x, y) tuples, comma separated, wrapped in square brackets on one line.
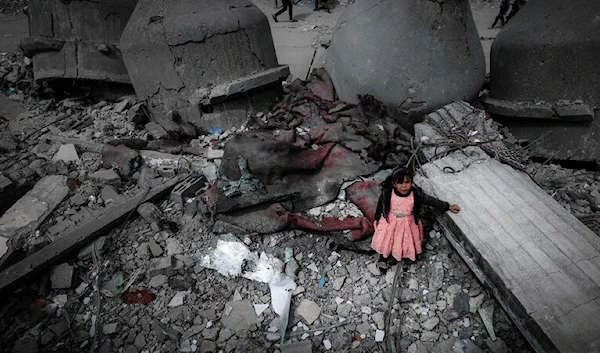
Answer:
[(287, 5), (516, 6), (503, 10)]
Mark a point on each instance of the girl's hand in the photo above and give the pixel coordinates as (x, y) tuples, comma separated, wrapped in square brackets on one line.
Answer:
[(454, 208)]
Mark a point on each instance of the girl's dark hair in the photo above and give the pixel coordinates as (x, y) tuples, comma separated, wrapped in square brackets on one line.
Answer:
[(399, 173)]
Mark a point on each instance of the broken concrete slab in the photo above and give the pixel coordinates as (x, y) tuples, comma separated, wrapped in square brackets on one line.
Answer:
[(553, 316), (61, 276), (309, 310), (32, 209), (239, 316), (69, 243), (66, 153)]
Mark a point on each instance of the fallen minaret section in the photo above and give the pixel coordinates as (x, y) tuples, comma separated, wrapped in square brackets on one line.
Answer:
[(541, 263)]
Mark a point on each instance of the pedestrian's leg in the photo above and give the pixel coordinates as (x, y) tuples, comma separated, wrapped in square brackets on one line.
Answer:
[(285, 6), (496, 21), (290, 10)]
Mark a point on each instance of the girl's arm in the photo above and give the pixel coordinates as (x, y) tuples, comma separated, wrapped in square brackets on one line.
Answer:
[(379, 209), (440, 205)]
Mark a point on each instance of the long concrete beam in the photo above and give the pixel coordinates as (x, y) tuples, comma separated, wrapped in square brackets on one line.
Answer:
[(541, 263), (75, 240)]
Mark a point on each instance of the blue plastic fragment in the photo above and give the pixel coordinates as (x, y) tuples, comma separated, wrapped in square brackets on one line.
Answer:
[(215, 130), (322, 281), (12, 90)]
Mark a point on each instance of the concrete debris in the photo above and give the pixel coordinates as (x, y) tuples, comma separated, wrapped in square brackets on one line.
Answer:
[(199, 310), (62, 276), (35, 206), (309, 310), (239, 316), (122, 158), (297, 347), (110, 329), (260, 308), (66, 153), (106, 177), (487, 314), (109, 194)]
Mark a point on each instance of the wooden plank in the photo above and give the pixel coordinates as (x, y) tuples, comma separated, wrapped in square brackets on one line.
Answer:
[(68, 244)]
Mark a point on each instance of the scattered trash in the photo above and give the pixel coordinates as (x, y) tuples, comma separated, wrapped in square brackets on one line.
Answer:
[(322, 281)]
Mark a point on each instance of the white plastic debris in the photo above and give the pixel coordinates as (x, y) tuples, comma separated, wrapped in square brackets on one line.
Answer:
[(327, 344), (281, 293), (379, 335)]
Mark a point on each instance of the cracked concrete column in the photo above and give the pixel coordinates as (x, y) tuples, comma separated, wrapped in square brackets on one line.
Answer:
[(201, 59), (77, 39), (414, 55)]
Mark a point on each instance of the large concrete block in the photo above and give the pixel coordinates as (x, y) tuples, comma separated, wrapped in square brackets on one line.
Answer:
[(77, 39), (413, 55), (547, 55), (548, 52), (197, 48)]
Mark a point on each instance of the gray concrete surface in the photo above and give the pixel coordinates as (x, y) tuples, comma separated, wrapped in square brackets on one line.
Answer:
[(293, 41), (13, 28), (413, 56)]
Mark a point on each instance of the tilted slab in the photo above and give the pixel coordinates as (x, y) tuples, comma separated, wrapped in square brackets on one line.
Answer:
[(542, 263)]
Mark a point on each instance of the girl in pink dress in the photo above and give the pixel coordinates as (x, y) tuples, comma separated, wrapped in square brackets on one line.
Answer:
[(398, 229)]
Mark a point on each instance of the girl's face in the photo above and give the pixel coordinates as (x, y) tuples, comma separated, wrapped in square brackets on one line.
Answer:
[(404, 186)]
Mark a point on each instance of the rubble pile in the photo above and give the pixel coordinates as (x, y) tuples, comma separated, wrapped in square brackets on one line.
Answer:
[(144, 287), (155, 296)]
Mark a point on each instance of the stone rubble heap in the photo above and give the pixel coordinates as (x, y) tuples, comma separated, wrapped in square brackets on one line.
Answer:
[(143, 288)]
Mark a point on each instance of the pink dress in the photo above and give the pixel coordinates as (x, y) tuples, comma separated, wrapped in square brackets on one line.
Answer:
[(399, 235)]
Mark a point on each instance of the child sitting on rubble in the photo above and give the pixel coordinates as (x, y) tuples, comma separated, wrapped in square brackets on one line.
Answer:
[(398, 227)]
